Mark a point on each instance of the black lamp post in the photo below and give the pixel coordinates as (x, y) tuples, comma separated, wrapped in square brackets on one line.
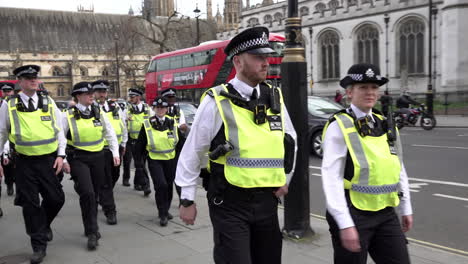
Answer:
[(197, 15), (386, 20), (117, 72), (429, 92), (294, 86)]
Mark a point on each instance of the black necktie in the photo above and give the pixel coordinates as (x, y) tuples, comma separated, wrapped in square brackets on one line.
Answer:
[(254, 95), (31, 105)]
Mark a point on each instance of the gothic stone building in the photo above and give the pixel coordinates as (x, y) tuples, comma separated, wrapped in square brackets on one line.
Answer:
[(390, 33)]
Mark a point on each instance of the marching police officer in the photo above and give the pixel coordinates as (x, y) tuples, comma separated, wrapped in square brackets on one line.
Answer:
[(159, 137), (364, 177), (86, 128), (31, 120), (137, 111), (116, 118), (243, 124), (7, 158)]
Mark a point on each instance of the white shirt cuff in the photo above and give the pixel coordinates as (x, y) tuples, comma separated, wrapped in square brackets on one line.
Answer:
[(405, 208), (344, 221), (189, 192)]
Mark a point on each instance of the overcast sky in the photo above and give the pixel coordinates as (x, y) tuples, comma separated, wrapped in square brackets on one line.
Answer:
[(185, 7)]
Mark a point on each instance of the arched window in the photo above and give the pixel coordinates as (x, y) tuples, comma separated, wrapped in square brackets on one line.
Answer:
[(410, 51), (61, 90), (334, 4), (329, 47), (252, 22), (267, 20), (278, 17), (304, 11), (105, 71), (56, 71), (83, 71), (367, 45), (320, 8)]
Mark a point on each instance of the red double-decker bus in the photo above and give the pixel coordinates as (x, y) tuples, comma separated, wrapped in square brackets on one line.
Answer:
[(193, 70)]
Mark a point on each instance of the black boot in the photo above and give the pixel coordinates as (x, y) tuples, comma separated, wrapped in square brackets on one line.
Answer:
[(146, 191), (111, 218), (163, 220), (10, 190), (1, 212), (125, 183), (49, 234), (92, 242), (38, 256), (137, 187)]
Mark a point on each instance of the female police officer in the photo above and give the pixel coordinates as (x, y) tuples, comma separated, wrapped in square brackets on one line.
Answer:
[(159, 136), (86, 127), (362, 153)]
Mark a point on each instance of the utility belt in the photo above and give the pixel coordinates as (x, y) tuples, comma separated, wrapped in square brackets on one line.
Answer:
[(234, 193), (22, 156), (73, 152)]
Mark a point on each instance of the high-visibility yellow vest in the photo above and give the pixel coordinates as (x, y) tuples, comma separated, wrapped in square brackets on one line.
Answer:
[(374, 185), (116, 121), (33, 133), (86, 134), (161, 144), (136, 120), (257, 159)]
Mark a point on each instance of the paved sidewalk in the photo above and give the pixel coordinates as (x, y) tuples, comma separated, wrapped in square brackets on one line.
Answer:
[(452, 120), (138, 238)]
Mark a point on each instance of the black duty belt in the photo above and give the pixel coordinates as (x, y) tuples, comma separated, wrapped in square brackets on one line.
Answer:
[(246, 194)]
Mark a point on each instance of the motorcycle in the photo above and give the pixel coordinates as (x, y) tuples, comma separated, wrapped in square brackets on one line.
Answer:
[(427, 121)]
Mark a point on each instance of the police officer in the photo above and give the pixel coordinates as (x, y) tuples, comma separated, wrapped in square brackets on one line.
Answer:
[(159, 137), (8, 153), (137, 111), (364, 177), (86, 128), (31, 120), (243, 124), (117, 119)]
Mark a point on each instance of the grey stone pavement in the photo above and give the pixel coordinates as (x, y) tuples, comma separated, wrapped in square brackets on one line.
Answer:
[(452, 120), (138, 238)]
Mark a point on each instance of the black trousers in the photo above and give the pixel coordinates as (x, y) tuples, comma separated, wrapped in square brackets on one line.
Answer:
[(245, 227), (116, 169), (9, 171), (127, 159), (87, 171), (141, 174), (380, 234), (106, 194), (162, 174), (35, 176)]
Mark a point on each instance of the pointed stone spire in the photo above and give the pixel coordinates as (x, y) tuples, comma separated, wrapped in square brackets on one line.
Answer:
[(130, 11)]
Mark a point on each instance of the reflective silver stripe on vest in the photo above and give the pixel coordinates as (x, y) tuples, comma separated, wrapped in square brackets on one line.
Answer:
[(161, 151), (76, 136), (234, 158), (18, 137)]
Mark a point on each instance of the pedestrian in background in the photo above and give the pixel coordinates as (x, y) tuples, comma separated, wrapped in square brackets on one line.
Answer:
[(364, 177), (386, 101), (338, 96), (32, 122)]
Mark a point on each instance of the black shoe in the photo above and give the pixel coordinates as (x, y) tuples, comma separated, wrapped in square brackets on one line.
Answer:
[(111, 218), (147, 192), (92, 242), (10, 190), (125, 183), (1, 212), (169, 216), (137, 187), (163, 221), (49, 234), (37, 257)]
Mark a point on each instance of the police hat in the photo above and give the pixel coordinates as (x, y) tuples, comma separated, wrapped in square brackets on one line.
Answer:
[(168, 92), (160, 102), (82, 87), (6, 86), (363, 73), (100, 85), (252, 40), (134, 92), (27, 71)]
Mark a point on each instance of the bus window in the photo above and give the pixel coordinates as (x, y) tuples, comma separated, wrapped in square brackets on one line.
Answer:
[(163, 64), (176, 62), (152, 66), (187, 60)]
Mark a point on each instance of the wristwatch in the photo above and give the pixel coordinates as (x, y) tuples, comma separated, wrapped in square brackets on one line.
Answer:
[(186, 203), (61, 156)]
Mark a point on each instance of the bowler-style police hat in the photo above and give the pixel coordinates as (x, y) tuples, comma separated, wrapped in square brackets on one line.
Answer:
[(134, 92), (252, 40), (27, 71), (100, 85), (82, 87), (7, 86), (160, 102), (363, 73), (169, 92)]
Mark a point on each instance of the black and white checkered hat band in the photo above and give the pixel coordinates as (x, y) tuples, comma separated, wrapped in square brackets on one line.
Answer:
[(133, 93), (6, 87), (252, 43), (29, 70), (359, 77)]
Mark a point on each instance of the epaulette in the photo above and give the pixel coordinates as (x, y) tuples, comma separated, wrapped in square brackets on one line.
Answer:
[(210, 93)]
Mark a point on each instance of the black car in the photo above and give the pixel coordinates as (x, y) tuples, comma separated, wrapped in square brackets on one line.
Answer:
[(320, 110), (189, 110)]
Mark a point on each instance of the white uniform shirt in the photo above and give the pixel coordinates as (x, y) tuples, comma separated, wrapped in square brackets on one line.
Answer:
[(333, 166), (109, 133), (5, 125), (124, 121), (206, 125)]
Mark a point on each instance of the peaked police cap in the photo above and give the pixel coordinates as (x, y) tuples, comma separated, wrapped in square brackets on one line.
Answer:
[(27, 71), (82, 87), (363, 73), (252, 40)]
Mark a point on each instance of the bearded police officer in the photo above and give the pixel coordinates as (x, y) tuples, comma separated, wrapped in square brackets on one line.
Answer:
[(31, 121), (364, 177), (137, 111), (86, 127), (117, 119), (243, 124)]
